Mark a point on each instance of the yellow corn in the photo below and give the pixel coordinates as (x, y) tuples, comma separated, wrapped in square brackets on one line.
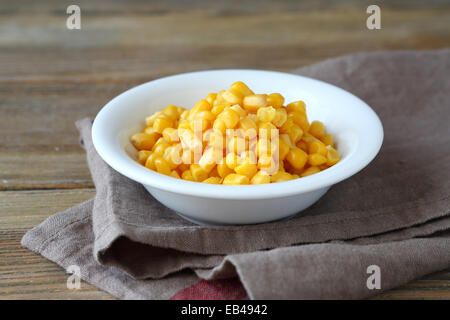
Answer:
[(198, 173), (171, 111), (317, 129), (316, 159), (281, 176), (232, 97), (211, 97), (187, 175), (236, 179), (280, 117), (297, 158), (212, 180), (327, 139), (332, 156), (309, 171), (248, 124), (260, 177), (283, 149), (317, 147), (266, 114), (238, 109), (143, 141), (247, 168), (253, 102), (297, 106), (175, 174), (223, 170), (241, 88), (300, 119), (162, 122), (295, 133), (229, 117), (143, 155), (217, 109), (170, 135), (275, 100), (264, 142), (162, 166)]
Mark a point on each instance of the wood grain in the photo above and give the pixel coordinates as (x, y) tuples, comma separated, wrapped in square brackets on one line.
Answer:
[(51, 76)]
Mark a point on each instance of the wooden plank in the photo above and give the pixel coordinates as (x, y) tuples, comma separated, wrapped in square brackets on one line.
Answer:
[(25, 275)]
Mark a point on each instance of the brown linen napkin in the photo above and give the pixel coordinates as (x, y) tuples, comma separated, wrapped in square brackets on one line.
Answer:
[(403, 193)]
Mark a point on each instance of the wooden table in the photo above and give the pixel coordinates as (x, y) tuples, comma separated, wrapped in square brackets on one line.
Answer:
[(51, 76)]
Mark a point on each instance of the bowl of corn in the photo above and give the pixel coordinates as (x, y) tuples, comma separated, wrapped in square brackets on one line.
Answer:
[(228, 147)]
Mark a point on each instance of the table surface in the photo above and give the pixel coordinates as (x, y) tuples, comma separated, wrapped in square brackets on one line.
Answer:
[(51, 76)]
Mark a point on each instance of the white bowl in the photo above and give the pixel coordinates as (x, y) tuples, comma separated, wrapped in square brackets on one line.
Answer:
[(356, 128)]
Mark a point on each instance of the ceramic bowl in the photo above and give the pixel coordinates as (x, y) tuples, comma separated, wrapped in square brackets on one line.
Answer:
[(357, 131)]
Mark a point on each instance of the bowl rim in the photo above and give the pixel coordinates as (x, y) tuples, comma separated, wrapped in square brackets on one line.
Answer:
[(135, 171)]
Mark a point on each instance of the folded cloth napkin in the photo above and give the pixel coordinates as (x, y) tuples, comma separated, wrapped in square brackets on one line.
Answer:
[(394, 214)]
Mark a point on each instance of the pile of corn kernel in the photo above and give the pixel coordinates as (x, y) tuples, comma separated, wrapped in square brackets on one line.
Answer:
[(270, 142)]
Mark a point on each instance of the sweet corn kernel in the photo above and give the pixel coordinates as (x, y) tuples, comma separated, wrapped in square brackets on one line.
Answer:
[(230, 118), (217, 109), (160, 147), (333, 156), (231, 160), (241, 88), (280, 117), (232, 97), (317, 129), (162, 122), (202, 105), (219, 125), (162, 166), (198, 173), (297, 158), (235, 179), (283, 149), (150, 119), (143, 155), (211, 97), (327, 139), (266, 114), (300, 119), (187, 175), (281, 176), (275, 100), (295, 133), (170, 135), (247, 168), (223, 170), (297, 106), (210, 158), (309, 171), (143, 141), (265, 129), (316, 159), (248, 124), (175, 174), (253, 102), (260, 177), (212, 180), (237, 145), (241, 112), (171, 111), (317, 147)]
